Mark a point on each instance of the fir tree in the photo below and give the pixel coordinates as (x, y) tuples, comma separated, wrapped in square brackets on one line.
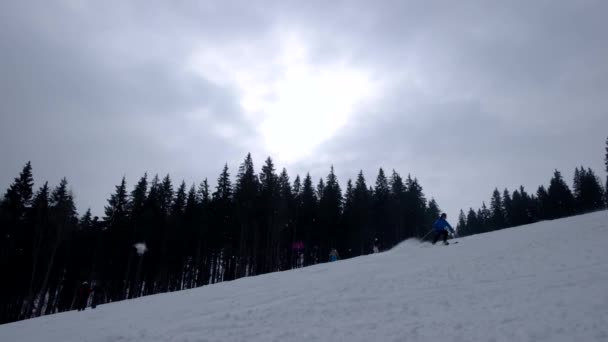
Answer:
[(606, 156), (561, 202), (532, 213), (269, 179), (202, 237), (606, 163), (62, 205), (381, 212), (166, 195), (330, 212), (175, 240), (283, 259), (179, 203), (203, 192), (246, 197), (473, 226), (485, 217), (267, 253), (497, 218), (507, 208), (398, 193), (306, 220), (15, 242), (116, 210), (223, 191), (415, 208), (39, 219), (86, 221), (542, 197), (518, 209), (118, 237), (297, 186), (588, 190), (432, 213), (348, 220), (349, 195), (18, 196), (320, 189), (152, 203), (577, 183), (462, 222), (63, 222), (284, 185), (136, 209), (363, 230), (137, 198), (192, 201)]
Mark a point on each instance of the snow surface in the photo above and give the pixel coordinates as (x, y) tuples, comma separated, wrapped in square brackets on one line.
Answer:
[(543, 282)]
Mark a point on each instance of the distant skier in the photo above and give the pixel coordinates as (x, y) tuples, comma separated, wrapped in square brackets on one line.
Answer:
[(98, 296), (441, 227), (375, 247), (82, 297), (333, 255)]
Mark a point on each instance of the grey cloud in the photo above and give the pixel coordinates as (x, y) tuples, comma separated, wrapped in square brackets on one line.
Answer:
[(77, 106), (511, 91), (476, 94)]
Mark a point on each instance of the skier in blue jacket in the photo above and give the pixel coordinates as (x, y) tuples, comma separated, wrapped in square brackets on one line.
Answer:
[(441, 227)]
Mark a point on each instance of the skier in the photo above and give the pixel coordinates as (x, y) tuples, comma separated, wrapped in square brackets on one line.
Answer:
[(441, 227), (333, 255), (98, 296), (82, 297), (375, 248)]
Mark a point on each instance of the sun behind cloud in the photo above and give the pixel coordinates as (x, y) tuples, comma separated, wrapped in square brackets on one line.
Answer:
[(294, 103)]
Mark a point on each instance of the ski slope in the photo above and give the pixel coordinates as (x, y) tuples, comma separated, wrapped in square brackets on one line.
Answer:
[(543, 282)]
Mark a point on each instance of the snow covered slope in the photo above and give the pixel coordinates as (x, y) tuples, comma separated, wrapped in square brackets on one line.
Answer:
[(542, 282)]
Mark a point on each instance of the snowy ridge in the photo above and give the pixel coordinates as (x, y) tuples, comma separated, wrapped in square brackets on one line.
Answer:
[(543, 282)]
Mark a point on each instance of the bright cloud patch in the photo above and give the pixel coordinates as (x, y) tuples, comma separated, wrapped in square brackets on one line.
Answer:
[(294, 104)]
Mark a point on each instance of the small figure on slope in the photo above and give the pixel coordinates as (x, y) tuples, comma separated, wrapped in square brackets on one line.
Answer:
[(333, 255), (82, 297), (375, 248), (441, 227), (99, 296)]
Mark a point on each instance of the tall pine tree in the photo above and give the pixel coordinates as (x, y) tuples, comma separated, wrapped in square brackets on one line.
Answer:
[(306, 220), (363, 230), (15, 237), (330, 212), (398, 206), (415, 208), (473, 226), (507, 208), (432, 214), (588, 190), (269, 229), (561, 202), (497, 217), (542, 199), (462, 222), (381, 212), (606, 163)]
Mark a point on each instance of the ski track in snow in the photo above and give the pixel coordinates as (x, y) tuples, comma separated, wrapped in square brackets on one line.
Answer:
[(543, 282)]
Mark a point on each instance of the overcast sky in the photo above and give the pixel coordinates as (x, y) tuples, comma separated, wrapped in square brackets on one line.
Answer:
[(464, 95)]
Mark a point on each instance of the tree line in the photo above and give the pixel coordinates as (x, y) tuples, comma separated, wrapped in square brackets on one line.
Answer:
[(517, 208), (160, 237)]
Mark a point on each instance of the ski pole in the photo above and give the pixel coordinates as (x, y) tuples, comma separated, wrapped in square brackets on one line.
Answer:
[(427, 234)]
